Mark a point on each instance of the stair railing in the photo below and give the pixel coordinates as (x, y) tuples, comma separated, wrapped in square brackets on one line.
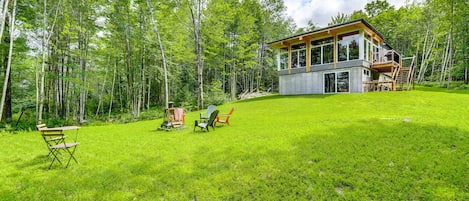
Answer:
[(410, 77)]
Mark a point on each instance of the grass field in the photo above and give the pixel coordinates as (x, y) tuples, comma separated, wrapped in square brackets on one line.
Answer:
[(373, 146)]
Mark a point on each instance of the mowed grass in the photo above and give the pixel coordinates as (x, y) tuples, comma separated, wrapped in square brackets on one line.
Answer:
[(373, 146)]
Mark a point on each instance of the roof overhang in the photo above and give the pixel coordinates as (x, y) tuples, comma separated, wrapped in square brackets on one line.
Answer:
[(329, 31)]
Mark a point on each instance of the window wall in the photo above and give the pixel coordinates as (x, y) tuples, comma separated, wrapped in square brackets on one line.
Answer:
[(298, 55), (375, 51), (351, 46), (348, 46), (322, 51), (368, 48)]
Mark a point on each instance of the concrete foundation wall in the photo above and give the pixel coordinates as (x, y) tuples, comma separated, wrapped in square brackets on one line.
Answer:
[(313, 82)]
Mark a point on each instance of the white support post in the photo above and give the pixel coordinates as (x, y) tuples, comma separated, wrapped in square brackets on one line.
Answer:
[(361, 45)]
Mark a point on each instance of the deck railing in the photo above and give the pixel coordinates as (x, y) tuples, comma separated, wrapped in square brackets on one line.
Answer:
[(386, 56)]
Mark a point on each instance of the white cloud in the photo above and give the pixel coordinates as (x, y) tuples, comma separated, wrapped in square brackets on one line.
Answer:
[(321, 11)]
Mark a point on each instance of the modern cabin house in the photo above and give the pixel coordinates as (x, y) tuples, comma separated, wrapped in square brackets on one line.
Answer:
[(349, 57)]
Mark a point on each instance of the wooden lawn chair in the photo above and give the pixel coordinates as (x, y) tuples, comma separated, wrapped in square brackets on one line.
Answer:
[(177, 117), (224, 118), (210, 122), (174, 118), (204, 116)]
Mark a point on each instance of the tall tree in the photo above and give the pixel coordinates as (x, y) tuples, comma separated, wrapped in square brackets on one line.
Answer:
[(155, 28), (10, 53), (196, 13), (376, 7), (339, 19), (3, 16)]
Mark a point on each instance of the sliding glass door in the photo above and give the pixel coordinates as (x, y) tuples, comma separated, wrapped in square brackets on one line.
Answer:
[(329, 83), (337, 82)]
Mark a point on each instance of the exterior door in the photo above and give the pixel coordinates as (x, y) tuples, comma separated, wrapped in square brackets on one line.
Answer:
[(338, 82), (329, 83)]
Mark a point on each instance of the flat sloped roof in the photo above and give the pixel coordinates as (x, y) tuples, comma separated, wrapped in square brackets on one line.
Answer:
[(330, 28)]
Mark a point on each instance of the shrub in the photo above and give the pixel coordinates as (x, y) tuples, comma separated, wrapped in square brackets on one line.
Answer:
[(215, 94)]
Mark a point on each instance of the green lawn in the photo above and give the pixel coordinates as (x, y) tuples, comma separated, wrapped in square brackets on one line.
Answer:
[(373, 146)]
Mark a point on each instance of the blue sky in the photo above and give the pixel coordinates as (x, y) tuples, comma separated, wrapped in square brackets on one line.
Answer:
[(321, 11)]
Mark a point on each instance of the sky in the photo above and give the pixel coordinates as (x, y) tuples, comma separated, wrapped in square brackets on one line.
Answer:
[(321, 11)]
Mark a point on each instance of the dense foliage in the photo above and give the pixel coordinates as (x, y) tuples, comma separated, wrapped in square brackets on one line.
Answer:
[(100, 59)]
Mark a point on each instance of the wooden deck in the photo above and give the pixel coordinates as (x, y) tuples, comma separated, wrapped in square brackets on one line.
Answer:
[(385, 67)]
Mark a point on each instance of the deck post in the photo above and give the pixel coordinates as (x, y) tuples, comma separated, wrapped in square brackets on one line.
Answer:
[(289, 59), (335, 51), (308, 53)]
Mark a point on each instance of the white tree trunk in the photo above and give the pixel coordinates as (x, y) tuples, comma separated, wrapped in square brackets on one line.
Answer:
[(43, 64), (155, 28), (422, 63), (196, 22), (3, 10), (112, 89), (10, 53)]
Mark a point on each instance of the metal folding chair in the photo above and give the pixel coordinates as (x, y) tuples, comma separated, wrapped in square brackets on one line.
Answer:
[(55, 141), (52, 140)]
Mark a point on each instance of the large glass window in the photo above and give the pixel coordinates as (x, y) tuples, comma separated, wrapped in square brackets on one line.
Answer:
[(370, 50), (375, 53), (342, 51), (328, 53), (316, 55), (354, 50), (283, 59), (294, 59), (338, 82), (322, 51), (298, 55), (342, 82), (366, 48), (348, 46), (302, 57)]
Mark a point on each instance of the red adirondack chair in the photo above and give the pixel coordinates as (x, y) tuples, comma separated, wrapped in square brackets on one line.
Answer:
[(224, 118)]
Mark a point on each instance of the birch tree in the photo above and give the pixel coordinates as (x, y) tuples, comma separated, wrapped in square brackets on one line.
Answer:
[(10, 53), (196, 13), (3, 16), (155, 28)]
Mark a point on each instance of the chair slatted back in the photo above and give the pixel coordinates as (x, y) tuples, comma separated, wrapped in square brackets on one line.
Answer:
[(212, 118), (210, 109), (41, 126)]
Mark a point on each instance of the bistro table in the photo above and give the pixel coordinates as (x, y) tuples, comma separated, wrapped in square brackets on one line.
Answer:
[(60, 130)]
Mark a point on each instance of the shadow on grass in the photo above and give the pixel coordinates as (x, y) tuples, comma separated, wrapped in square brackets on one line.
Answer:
[(376, 159), (368, 160), (277, 96), (443, 90), (39, 160), (390, 159)]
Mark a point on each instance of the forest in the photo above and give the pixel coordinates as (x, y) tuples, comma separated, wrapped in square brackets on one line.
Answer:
[(69, 62)]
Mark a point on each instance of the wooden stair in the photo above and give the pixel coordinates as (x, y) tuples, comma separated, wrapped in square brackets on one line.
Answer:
[(401, 79), (405, 76)]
